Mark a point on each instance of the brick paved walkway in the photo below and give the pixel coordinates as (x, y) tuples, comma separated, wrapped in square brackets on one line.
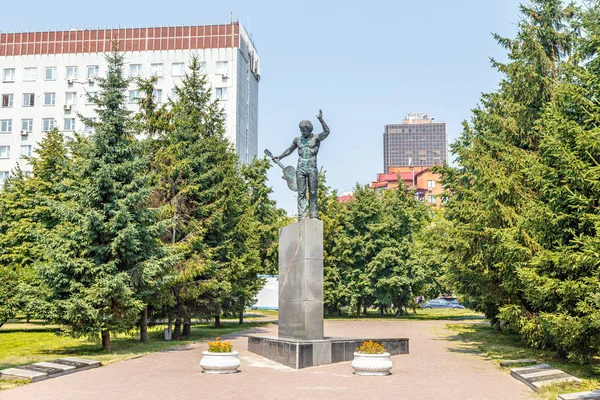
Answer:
[(435, 369)]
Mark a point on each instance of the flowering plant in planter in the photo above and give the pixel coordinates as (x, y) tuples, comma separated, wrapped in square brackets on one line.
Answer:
[(370, 347), (219, 347), (220, 358), (371, 359)]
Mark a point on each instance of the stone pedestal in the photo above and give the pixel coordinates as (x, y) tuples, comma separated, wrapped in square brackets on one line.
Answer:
[(301, 280), (300, 342)]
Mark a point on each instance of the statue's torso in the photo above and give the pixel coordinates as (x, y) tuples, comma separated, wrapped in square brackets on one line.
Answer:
[(308, 148)]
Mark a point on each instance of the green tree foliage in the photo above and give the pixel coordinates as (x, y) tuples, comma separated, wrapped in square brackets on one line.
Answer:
[(494, 184), (216, 208), (25, 219), (523, 201), (561, 280), (268, 217), (367, 250), (107, 236)]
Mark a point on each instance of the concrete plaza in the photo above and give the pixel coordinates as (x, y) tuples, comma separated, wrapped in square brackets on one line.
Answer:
[(436, 368)]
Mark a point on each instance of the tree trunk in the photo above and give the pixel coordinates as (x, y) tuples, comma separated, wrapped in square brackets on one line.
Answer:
[(497, 326), (144, 325), (241, 317), (187, 327), (177, 330), (381, 311), (358, 309), (169, 327), (106, 340), (28, 317), (364, 310), (217, 321)]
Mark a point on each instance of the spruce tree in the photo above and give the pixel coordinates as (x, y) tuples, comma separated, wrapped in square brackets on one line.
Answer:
[(207, 201), (561, 280), (25, 220), (107, 235), (494, 183)]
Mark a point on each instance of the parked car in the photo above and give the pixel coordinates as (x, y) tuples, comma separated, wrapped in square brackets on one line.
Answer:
[(442, 303)]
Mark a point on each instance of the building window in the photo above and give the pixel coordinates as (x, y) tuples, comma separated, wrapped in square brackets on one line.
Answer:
[(222, 67), (71, 73), (28, 99), (430, 184), (25, 150), (50, 74), (7, 100), (92, 72), (27, 125), (156, 69), (49, 99), (3, 176), (90, 128), (157, 95), (134, 95), (8, 75), (91, 97), (135, 70), (29, 74), (70, 98), (69, 124), (221, 93), (4, 151), (47, 124), (174, 95), (178, 69), (5, 125), (431, 199)]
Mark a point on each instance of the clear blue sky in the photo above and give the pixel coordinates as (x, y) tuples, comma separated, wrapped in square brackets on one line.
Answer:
[(364, 63)]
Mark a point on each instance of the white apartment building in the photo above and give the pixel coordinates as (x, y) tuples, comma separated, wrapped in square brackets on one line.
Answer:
[(46, 77)]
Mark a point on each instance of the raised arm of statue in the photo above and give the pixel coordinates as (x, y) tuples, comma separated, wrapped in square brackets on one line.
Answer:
[(325, 133), (287, 151)]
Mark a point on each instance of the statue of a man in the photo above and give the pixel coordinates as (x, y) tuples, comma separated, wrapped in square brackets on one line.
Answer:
[(306, 173)]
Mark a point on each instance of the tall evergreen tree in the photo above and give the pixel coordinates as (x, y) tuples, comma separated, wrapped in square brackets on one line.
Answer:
[(494, 183), (207, 199), (561, 281), (107, 235), (25, 219)]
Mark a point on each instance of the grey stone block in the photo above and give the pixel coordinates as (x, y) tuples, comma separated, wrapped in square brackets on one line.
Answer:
[(20, 373), (595, 395), (301, 240), (524, 361), (321, 352), (299, 354), (301, 280), (537, 376)]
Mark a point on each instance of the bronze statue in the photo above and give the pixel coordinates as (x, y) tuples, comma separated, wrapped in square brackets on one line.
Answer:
[(306, 173)]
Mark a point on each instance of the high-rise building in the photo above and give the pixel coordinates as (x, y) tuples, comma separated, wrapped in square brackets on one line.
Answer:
[(46, 76), (417, 141)]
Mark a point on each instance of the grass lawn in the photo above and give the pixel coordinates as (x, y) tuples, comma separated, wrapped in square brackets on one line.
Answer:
[(24, 343), (420, 315), (500, 346)]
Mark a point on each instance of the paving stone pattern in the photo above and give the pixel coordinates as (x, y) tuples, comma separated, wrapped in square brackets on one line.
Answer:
[(49, 369), (539, 375)]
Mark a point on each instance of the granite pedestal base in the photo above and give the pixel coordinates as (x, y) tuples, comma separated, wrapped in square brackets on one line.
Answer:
[(299, 354), (301, 280)]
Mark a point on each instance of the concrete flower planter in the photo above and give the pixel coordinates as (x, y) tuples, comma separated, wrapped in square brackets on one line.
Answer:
[(220, 363), (372, 364)]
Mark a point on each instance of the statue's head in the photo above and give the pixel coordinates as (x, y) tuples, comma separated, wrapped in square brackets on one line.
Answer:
[(306, 128)]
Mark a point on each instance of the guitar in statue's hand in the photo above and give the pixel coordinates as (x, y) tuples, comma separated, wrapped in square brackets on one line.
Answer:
[(289, 172)]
